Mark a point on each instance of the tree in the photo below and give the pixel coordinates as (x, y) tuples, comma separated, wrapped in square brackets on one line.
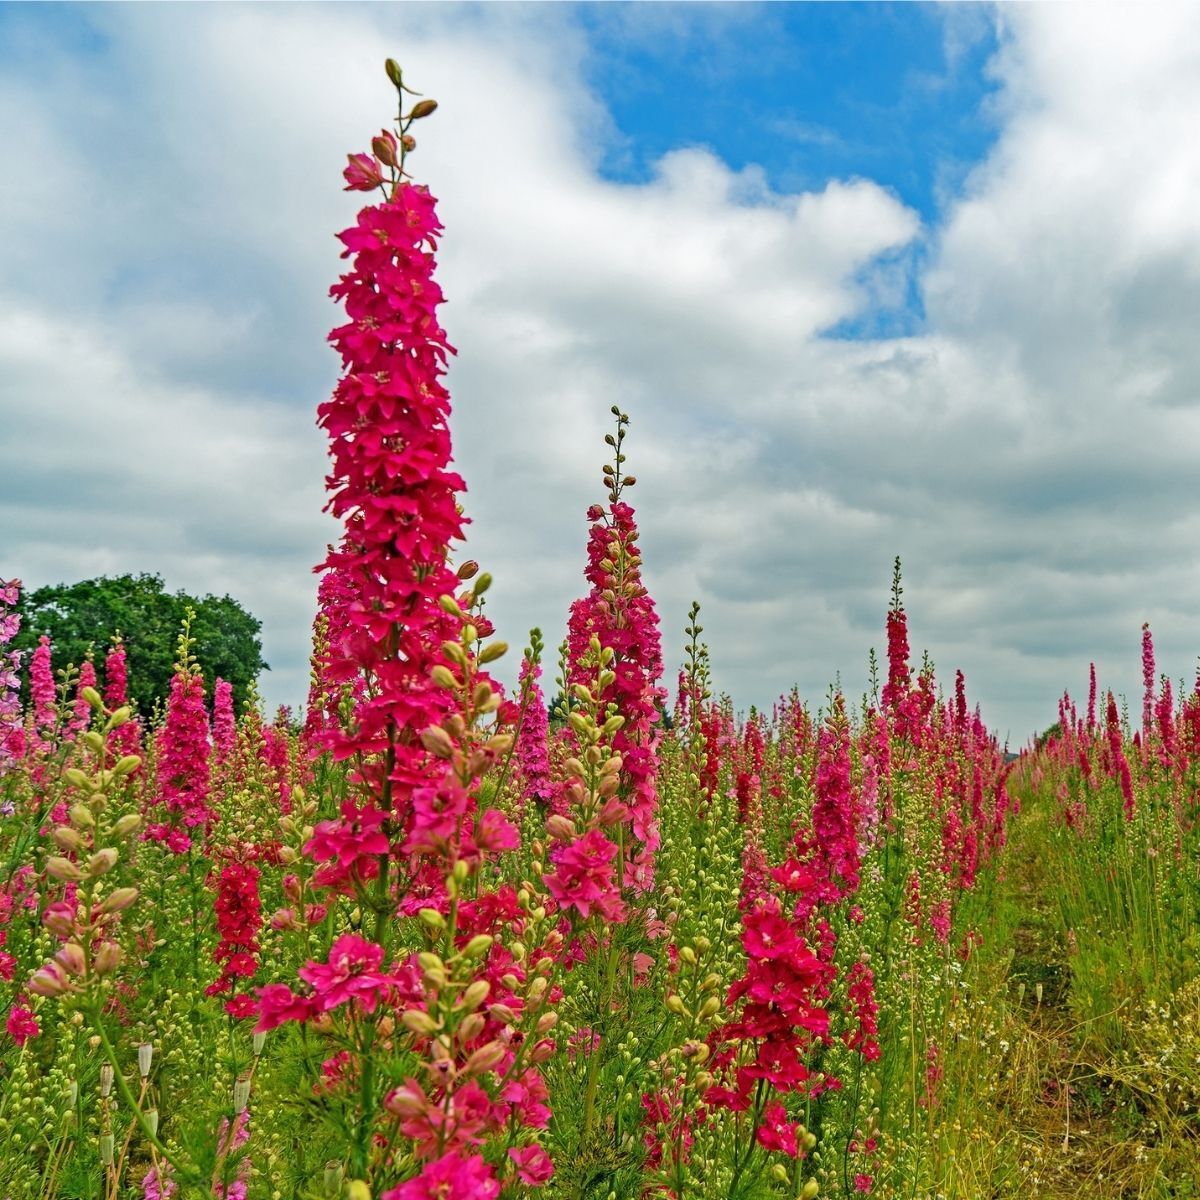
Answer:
[(83, 618)]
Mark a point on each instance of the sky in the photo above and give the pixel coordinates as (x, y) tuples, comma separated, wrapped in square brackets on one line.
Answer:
[(870, 280)]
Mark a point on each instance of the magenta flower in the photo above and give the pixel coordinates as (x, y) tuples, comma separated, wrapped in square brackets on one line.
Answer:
[(21, 1024), (450, 1177), (582, 878), (534, 1166), (363, 174), (533, 739), (351, 973), (224, 725), (41, 686), (277, 1004), (183, 766)]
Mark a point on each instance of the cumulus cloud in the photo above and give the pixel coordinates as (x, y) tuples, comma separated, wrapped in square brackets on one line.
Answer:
[(162, 312)]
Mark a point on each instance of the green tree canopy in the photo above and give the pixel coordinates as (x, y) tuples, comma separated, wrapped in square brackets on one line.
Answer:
[(82, 618)]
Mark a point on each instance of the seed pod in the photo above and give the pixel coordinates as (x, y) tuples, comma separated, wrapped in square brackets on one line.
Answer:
[(333, 1178)]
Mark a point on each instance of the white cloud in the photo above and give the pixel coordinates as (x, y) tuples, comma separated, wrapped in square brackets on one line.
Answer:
[(1030, 456)]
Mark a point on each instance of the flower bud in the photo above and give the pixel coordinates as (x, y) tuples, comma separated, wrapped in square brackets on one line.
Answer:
[(122, 716), (118, 899), (384, 148), (126, 765), (76, 778), (405, 1102), (129, 823), (503, 1013), (71, 958), (481, 943), (62, 868), (475, 994), (422, 108), (356, 1189), (484, 1059), (66, 838), (102, 862), (92, 697), (59, 918), (437, 741), (443, 676), (675, 1005), (418, 1021), (493, 651), (93, 741), (432, 918), (81, 816), (107, 958), (810, 1191), (49, 981)]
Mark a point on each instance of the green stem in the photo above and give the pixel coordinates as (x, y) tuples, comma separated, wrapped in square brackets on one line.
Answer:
[(182, 1172)]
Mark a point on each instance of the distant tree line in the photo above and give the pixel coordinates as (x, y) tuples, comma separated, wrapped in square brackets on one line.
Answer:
[(82, 619)]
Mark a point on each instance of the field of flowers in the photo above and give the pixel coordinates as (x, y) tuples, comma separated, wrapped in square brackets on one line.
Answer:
[(437, 941)]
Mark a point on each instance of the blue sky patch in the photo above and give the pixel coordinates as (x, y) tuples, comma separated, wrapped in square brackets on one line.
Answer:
[(894, 93)]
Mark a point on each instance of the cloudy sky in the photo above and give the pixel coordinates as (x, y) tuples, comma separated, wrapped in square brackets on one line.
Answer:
[(870, 280)]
